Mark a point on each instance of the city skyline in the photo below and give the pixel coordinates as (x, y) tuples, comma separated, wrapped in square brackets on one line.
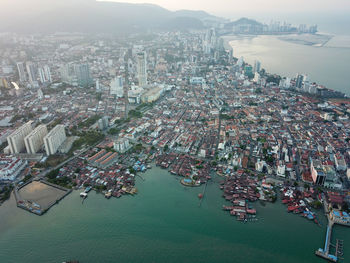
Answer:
[(223, 7)]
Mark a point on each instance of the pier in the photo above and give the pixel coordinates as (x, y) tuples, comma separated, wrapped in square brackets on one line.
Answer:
[(325, 252)]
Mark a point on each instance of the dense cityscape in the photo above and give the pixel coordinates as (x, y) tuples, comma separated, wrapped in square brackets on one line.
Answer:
[(83, 112)]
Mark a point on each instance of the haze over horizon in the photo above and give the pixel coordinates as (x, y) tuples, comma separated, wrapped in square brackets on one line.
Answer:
[(222, 7), (331, 16)]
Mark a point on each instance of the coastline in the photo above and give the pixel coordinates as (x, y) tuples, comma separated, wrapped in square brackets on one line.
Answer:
[(273, 52), (315, 40)]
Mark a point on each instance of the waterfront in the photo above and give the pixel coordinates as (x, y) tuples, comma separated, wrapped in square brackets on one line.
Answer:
[(325, 65), (162, 223)]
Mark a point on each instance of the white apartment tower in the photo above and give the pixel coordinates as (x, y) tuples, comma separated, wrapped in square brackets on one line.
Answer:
[(21, 72), (31, 70), (142, 68), (117, 87), (16, 139), (54, 139), (35, 140), (47, 73)]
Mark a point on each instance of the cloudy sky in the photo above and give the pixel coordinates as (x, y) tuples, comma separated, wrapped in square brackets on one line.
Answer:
[(252, 6)]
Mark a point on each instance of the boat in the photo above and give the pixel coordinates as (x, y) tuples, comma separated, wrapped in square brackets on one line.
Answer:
[(200, 196), (88, 189), (83, 195), (108, 194)]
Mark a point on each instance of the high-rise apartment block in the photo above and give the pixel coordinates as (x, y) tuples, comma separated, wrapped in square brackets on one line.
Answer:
[(16, 139), (54, 139), (21, 72), (35, 140), (142, 68)]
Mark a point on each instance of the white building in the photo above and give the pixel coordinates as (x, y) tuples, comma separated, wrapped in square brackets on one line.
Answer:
[(31, 70), (41, 75), (47, 73), (10, 168), (21, 73), (257, 66), (40, 94), (256, 77), (16, 139), (117, 87), (281, 170), (35, 140), (142, 68), (121, 145), (54, 139)]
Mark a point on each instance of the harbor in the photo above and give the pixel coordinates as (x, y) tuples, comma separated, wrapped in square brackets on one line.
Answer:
[(38, 196), (333, 217), (203, 234)]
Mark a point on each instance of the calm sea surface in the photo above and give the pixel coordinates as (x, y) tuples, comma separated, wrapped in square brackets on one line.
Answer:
[(163, 223), (325, 65)]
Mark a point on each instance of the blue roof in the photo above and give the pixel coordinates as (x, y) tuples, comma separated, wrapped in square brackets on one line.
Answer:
[(336, 213)]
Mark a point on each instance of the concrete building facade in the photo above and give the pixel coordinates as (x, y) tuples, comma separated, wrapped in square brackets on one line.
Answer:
[(54, 139), (142, 68), (16, 139), (35, 140)]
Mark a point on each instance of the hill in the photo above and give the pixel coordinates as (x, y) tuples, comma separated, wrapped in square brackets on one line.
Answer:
[(90, 16)]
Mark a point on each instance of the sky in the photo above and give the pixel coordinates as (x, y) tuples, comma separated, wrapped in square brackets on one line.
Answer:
[(224, 7)]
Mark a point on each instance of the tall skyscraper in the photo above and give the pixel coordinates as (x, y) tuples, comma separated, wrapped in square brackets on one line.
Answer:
[(97, 85), (257, 66), (41, 75), (126, 87), (117, 87), (35, 140), (299, 81), (32, 72), (21, 72), (82, 72), (240, 61), (47, 73), (142, 68), (16, 139), (54, 139), (68, 74)]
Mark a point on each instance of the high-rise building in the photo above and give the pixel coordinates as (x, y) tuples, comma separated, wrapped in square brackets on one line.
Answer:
[(16, 139), (54, 139), (40, 94), (299, 81), (257, 66), (103, 123), (82, 72), (35, 140), (4, 83), (31, 70), (41, 75), (117, 87), (240, 61), (68, 74), (47, 73), (97, 85), (142, 68), (21, 72)]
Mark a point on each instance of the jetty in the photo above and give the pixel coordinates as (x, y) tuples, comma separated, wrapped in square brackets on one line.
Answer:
[(325, 252)]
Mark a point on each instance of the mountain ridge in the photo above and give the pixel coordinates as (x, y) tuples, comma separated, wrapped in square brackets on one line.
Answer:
[(89, 16)]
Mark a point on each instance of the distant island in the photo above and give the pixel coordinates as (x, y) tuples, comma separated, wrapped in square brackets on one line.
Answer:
[(253, 27)]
